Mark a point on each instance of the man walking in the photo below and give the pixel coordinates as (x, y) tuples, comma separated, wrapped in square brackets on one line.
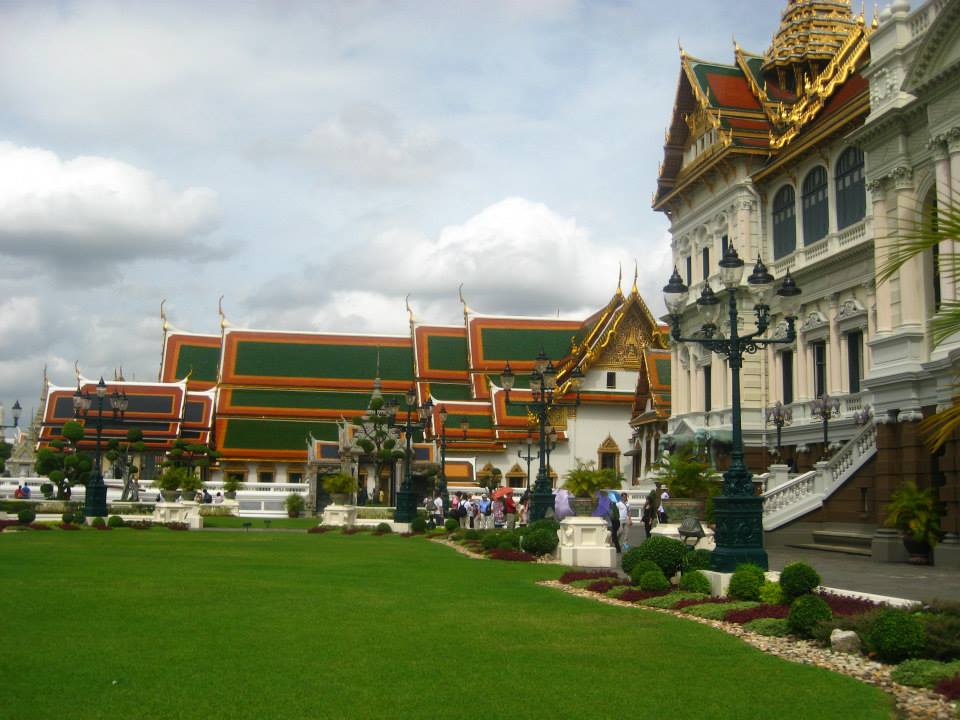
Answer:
[(623, 508), (510, 509)]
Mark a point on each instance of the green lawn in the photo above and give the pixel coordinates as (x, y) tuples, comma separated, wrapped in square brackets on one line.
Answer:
[(162, 624), (229, 521)]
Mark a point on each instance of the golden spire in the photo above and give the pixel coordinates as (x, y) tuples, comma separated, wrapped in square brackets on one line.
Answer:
[(636, 273), (224, 323), (619, 277), (466, 310), (163, 317)]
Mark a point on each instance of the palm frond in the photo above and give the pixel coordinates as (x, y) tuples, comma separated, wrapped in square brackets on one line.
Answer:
[(946, 323), (938, 428), (923, 231)]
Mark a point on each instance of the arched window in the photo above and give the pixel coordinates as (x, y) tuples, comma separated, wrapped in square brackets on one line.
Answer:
[(784, 222), (816, 218), (851, 192)]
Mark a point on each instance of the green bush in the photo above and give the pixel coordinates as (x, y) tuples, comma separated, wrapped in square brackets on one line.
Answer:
[(923, 673), (46, 489), (696, 560), (617, 590), (716, 611), (541, 541), (548, 523), (471, 535), (450, 525), (671, 599), (418, 525), (630, 558), (805, 612), (490, 541), (771, 627), (384, 527), (666, 552), (772, 594), (746, 581), (295, 504), (653, 580), (896, 635), (115, 521), (798, 579), (506, 544), (943, 636), (26, 516), (98, 522), (641, 568), (696, 582), (67, 517)]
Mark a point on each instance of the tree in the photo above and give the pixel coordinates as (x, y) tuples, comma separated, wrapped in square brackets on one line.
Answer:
[(6, 449), (190, 456), (918, 237), (120, 454), (685, 475), (62, 461), (375, 436)]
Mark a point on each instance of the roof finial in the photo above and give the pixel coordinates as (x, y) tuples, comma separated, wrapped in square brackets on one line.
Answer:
[(636, 272), (224, 323), (406, 301), (619, 276), (466, 310), (736, 45), (163, 316), (680, 47), (76, 370)]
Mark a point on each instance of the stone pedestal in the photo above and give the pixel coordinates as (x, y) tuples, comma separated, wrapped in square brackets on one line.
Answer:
[(585, 542), (947, 553), (340, 515), (185, 512), (887, 546)]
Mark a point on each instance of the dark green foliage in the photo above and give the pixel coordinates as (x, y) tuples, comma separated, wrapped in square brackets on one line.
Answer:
[(99, 522), (923, 673), (115, 521), (630, 558), (26, 516), (46, 489), (506, 544), (450, 525), (418, 525), (62, 462), (746, 581), (669, 600), (805, 612), (490, 540), (67, 517), (295, 504), (695, 581), (772, 594), (384, 528), (542, 541), (896, 635), (696, 560), (545, 523), (943, 636), (653, 580), (798, 579), (666, 552), (772, 627), (471, 535), (640, 568), (717, 611)]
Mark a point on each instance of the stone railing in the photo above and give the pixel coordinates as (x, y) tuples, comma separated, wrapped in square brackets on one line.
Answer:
[(822, 249), (794, 493), (848, 459)]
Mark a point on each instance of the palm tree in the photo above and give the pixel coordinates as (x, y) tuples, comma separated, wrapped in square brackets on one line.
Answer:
[(938, 223)]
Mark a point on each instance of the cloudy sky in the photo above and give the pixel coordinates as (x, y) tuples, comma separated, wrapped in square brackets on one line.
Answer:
[(315, 162)]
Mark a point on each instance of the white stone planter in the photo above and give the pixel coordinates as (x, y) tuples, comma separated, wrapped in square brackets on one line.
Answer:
[(340, 515), (585, 542)]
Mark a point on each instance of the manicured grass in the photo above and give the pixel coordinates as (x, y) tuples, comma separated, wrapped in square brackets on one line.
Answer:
[(262, 625), (229, 521)]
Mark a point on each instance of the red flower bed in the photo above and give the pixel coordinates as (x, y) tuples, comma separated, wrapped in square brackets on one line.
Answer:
[(702, 601), (761, 611), (601, 586), (847, 606), (176, 526), (319, 530), (68, 526), (8, 523), (352, 530), (39, 526), (140, 525), (572, 575), (949, 687), (514, 555), (107, 527), (638, 595)]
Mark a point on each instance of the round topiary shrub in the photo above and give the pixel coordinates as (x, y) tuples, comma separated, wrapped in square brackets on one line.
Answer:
[(630, 558), (640, 568), (772, 594), (695, 581), (471, 535), (805, 612), (26, 516), (696, 560), (746, 581), (115, 521), (541, 541), (450, 525), (98, 522), (666, 552), (798, 579), (384, 528), (548, 523), (67, 518), (418, 525), (490, 541), (653, 580), (896, 635)]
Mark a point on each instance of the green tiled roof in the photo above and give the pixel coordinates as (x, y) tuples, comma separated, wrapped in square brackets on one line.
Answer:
[(524, 343), (345, 361), (450, 392), (305, 400), (202, 360), (243, 434), (663, 370), (447, 353), (477, 422)]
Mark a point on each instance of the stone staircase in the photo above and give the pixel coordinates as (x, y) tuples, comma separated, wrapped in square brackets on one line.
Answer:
[(840, 538), (790, 498)]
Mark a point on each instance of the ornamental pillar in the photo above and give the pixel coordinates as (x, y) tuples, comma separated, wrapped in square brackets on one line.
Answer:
[(884, 294), (835, 354), (871, 290), (911, 276), (803, 386)]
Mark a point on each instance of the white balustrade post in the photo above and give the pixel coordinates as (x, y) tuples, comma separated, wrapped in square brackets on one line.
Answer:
[(824, 476)]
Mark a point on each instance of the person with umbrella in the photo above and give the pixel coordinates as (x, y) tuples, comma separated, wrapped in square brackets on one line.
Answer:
[(608, 511)]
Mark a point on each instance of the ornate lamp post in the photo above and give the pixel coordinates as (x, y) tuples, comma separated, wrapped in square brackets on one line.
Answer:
[(442, 485), (406, 498), (543, 386), (825, 407), (16, 410), (864, 415), (529, 457), (739, 511), (95, 502), (779, 415)]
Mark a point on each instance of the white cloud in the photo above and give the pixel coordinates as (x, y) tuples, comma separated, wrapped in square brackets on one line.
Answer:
[(95, 208)]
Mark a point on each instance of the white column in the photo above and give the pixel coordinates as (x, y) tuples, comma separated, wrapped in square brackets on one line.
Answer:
[(871, 305), (643, 455), (803, 389), (884, 295), (912, 299), (835, 353), (280, 473), (252, 476)]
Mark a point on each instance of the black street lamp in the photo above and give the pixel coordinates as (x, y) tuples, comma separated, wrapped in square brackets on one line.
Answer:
[(95, 496), (529, 457), (824, 408), (16, 410), (738, 510), (406, 499), (442, 485), (779, 415), (543, 386)]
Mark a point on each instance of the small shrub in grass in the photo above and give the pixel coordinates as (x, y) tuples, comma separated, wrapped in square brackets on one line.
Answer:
[(418, 525), (923, 673), (505, 544), (896, 635), (666, 552), (772, 594), (943, 636), (67, 517), (843, 606), (510, 554), (542, 541), (771, 627), (669, 600), (26, 516), (696, 560), (798, 579), (805, 612), (695, 581), (746, 581), (717, 611), (545, 523), (574, 575), (384, 528), (949, 688), (742, 617), (450, 525), (115, 521), (98, 522), (490, 541), (653, 580), (471, 535), (641, 568), (630, 558)]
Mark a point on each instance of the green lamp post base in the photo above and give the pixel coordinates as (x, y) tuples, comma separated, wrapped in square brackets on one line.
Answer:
[(95, 500), (406, 506), (739, 533)]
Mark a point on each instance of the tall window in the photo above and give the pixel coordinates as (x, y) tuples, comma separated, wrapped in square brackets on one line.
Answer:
[(819, 368), (706, 263), (786, 370), (855, 359), (816, 217), (784, 222), (611, 380), (851, 191), (707, 389), (689, 269)]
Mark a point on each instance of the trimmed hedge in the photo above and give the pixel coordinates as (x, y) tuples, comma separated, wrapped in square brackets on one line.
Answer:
[(798, 579), (666, 552), (695, 581), (746, 581), (641, 568), (805, 613), (896, 635), (771, 627), (653, 580)]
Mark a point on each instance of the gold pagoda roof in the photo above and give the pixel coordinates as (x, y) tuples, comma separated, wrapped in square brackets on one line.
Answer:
[(811, 30)]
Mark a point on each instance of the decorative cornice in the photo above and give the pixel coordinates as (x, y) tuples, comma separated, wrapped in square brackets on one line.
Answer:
[(902, 177), (912, 415), (850, 308), (814, 319)]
